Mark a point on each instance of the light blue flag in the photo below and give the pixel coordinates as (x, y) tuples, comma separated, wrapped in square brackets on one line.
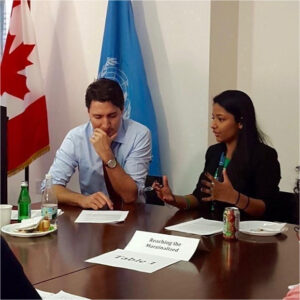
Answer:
[(121, 60)]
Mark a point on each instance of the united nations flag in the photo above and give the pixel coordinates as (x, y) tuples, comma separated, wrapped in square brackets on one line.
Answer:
[(121, 60)]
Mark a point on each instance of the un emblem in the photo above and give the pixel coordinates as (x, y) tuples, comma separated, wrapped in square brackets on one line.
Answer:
[(112, 71)]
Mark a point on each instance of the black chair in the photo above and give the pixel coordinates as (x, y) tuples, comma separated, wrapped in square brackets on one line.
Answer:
[(284, 209), (151, 197)]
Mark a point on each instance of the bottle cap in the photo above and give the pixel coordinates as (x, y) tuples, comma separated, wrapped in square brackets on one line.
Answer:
[(24, 183)]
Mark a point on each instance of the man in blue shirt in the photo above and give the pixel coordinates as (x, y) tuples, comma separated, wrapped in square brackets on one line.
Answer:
[(111, 153)]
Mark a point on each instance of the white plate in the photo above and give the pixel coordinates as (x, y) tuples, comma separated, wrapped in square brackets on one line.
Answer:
[(262, 228), (11, 229)]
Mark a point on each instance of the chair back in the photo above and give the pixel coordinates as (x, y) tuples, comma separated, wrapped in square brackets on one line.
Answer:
[(284, 209), (151, 197)]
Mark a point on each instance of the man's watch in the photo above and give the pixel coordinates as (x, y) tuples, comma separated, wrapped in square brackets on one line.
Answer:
[(112, 163)]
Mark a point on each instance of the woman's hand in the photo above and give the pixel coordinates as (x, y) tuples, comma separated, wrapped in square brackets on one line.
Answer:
[(164, 192), (220, 191)]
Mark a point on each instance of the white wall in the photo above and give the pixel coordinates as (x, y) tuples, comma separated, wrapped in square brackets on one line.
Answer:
[(175, 40), (174, 36), (268, 70), (223, 51)]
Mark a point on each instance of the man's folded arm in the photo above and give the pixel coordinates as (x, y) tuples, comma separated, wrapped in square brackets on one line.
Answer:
[(127, 181)]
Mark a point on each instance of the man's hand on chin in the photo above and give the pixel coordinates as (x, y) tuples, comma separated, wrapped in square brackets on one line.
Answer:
[(101, 143)]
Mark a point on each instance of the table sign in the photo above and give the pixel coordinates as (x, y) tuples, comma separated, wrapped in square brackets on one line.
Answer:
[(133, 260), (172, 246), (102, 216), (149, 252)]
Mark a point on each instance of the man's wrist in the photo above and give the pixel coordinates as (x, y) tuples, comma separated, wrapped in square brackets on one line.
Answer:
[(111, 163), (107, 156)]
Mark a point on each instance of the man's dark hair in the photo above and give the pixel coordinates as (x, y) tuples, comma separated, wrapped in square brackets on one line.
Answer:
[(104, 90)]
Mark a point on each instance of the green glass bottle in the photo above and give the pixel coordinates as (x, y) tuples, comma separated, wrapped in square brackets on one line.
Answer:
[(24, 202)]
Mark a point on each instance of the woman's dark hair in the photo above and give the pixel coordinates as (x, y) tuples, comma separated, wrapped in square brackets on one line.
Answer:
[(241, 107), (104, 90)]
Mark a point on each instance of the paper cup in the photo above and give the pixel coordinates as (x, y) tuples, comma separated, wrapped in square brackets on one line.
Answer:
[(5, 214)]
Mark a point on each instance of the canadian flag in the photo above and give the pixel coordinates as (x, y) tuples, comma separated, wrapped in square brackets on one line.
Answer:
[(22, 92)]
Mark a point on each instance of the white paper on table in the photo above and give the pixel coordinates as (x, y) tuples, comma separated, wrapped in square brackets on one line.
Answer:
[(133, 261), (44, 294), (101, 216), (199, 226), (34, 213), (290, 287), (171, 246), (61, 295)]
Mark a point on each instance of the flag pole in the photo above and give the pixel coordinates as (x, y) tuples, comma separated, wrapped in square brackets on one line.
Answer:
[(3, 154)]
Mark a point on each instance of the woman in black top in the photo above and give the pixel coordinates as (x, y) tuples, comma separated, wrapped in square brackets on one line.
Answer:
[(14, 283), (241, 170)]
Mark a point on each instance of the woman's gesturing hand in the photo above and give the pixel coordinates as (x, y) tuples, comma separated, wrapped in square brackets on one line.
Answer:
[(220, 191), (163, 191)]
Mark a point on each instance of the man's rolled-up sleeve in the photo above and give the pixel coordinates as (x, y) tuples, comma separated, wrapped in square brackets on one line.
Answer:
[(65, 163), (138, 160)]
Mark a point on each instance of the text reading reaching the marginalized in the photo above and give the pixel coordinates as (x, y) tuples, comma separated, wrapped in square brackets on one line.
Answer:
[(163, 245)]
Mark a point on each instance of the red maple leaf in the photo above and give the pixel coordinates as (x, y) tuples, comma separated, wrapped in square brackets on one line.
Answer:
[(12, 63)]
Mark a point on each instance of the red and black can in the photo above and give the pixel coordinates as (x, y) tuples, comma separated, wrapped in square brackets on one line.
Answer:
[(231, 222)]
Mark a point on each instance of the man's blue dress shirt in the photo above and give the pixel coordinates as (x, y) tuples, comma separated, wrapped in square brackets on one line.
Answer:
[(131, 147)]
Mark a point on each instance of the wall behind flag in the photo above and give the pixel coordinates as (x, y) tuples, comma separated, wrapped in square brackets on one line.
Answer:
[(175, 38)]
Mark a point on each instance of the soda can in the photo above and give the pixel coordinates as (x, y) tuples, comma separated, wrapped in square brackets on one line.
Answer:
[(231, 222)]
